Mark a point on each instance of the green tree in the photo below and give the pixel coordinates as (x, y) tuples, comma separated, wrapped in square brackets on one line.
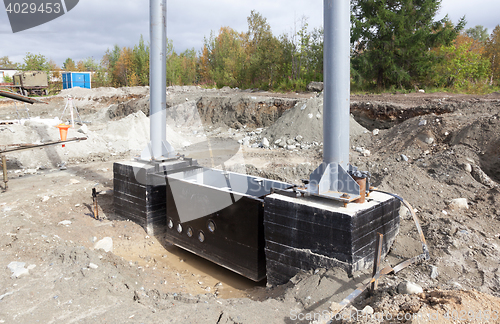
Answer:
[(109, 62), (141, 62), (392, 39), (461, 68), (35, 62), (5, 63), (7, 79), (261, 53), (492, 52), (90, 64), (223, 58), (69, 65), (478, 33)]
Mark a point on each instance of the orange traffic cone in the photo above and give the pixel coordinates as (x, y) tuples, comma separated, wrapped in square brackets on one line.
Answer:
[(63, 131)]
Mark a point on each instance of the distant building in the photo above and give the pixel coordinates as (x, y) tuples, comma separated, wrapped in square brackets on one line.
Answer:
[(76, 79), (8, 73)]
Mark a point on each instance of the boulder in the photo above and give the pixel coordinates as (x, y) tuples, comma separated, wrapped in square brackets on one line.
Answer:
[(315, 86)]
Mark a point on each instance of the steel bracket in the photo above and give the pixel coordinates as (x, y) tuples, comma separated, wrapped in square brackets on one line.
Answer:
[(332, 181)]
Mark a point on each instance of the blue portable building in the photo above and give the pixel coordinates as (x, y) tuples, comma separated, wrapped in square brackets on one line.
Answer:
[(76, 79)]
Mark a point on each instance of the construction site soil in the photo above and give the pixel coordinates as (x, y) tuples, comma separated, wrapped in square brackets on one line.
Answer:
[(441, 152)]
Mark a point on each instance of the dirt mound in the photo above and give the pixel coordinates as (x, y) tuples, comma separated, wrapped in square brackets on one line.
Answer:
[(104, 92), (128, 135), (305, 119), (440, 306), (493, 95)]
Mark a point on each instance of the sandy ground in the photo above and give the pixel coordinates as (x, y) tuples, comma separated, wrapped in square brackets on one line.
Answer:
[(429, 149)]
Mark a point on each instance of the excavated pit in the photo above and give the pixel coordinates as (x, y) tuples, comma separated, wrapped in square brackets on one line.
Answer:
[(235, 111), (483, 137), (491, 161), (385, 115)]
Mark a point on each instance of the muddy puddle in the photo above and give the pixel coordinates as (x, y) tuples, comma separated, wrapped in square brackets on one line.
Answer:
[(178, 270)]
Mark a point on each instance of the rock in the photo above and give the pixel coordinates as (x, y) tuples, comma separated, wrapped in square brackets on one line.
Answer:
[(299, 138), (255, 145), (423, 122), (429, 140), (246, 142), (368, 310), (404, 157), (421, 91), (315, 86), (366, 153), (45, 198), (105, 244), (375, 132), (407, 287), (459, 203), (434, 272), (467, 167), (84, 129), (265, 143), (64, 222), (310, 116), (17, 269), (93, 265), (359, 149), (291, 147), (290, 141), (278, 141), (482, 177)]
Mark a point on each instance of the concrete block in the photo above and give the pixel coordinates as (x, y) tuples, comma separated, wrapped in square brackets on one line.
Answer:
[(312, 232)]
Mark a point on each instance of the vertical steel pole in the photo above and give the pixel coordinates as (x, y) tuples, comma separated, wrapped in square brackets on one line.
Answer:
[(157, 81), (336, 77)]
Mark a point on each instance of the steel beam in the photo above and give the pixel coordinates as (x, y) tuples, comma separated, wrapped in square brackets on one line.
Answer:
[(336, 78), (158, 148), (332, 179)]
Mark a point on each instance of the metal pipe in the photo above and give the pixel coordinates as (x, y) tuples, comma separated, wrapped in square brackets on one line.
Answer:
[(157, 81), (19, 97), (336, 77), (21, 147)]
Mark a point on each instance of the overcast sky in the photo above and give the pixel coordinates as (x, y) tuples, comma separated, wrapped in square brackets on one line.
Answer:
[(96, 25)]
